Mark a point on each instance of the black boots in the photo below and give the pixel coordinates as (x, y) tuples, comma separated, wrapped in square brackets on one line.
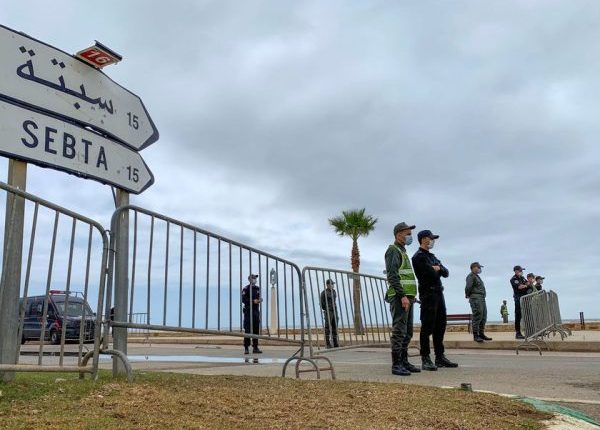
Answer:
[(519, 335), (484, 337), (255, 350), (442, 361), (397, 368), (246, 350), (477, 337), (427, 364), (406, 364)]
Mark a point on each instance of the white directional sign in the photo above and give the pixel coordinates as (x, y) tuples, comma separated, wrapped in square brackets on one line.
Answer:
[(50, 142), (44, 77)]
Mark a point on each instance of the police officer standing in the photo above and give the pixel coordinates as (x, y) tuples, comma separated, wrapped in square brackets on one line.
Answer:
[(330, 314), (519, 286), (475, 292), (251, 311), (401, 292), (539, 281), (504, 312), (429, 271)]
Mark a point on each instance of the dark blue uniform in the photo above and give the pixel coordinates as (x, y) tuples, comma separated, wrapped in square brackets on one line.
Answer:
[(251, 313), (515, 281)]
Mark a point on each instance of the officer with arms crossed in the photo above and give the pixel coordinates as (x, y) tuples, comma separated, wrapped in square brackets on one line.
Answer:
[(402, 289), (519, 286), (475, 292), (429, 271)]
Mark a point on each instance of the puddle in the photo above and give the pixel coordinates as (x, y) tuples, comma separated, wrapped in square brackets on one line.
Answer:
[(198, 359)]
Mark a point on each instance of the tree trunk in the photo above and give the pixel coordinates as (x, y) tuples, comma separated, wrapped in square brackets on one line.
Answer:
[(359, 329)]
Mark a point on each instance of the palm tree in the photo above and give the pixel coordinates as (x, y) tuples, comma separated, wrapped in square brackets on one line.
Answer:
[(354, 223)]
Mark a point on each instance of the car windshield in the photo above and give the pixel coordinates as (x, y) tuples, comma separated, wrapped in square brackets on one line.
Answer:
[(75, 308)]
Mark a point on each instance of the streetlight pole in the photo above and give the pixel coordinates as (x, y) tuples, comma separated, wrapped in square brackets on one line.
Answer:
[(274, 322)]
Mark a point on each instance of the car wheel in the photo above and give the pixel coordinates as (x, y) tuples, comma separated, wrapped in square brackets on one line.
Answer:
[(54, 337)]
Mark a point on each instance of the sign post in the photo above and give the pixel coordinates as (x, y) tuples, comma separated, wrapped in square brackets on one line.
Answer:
[(10, 283), (121, 281)]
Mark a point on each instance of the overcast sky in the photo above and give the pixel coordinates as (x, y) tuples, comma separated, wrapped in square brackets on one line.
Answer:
[(477, 120)]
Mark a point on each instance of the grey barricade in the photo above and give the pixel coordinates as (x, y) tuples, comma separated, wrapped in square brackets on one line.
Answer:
[(62, 292), (557, 326), (189, 280), (540, 318), (356, 315)]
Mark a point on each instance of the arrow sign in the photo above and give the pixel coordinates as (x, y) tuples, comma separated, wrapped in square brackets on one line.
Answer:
[(41, 76), (50, 142)]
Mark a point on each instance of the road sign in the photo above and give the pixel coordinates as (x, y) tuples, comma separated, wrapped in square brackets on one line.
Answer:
[(41, 76), (51, 142)]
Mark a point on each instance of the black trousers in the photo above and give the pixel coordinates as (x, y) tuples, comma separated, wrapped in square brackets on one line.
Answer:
[(518, 314), (251, 325), (433, 323), (331, 325)]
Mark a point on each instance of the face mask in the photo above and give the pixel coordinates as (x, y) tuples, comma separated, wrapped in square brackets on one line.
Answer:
[(430, 245), (479, 271), (252, 282), (407, 240)]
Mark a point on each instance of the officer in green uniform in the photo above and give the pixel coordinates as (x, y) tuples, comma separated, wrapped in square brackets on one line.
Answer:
[(402, 289), (504, 312), (475, 292)]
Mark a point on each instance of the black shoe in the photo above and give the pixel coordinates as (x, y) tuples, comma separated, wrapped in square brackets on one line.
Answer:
[(328, 346), (484, 337), (442, 361), (246, 350), (255, 350), (404, 362), (519, 336), (478, 338), (398, 369), (427, 364)]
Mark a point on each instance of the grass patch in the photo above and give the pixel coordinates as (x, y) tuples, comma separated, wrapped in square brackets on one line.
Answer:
[(180, 401)]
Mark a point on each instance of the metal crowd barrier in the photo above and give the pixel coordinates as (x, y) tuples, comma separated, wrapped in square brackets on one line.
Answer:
[(53, 302), (189, 280), (359, 311), (540, 317)]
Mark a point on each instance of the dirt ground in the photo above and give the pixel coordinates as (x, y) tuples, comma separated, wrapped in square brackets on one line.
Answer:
[(176, 401)]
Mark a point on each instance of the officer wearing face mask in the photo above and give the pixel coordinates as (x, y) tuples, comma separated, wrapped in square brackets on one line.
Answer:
[(430, 271), (475, 292), (401, 292), (251, 300)]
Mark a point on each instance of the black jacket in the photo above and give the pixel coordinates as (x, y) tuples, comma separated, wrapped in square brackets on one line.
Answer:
[(515, 281), (429, 280), (246, 298), (328, 297)]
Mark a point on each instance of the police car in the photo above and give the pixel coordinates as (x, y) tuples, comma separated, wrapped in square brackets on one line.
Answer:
[(64, 309)]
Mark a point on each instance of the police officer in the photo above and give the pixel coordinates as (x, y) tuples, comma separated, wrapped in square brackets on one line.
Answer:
[(475, 292), (531, 284), (519, 286), (430, 271), (330, 314), (504, 312), (251, 301), (539, 281), (401, 292)]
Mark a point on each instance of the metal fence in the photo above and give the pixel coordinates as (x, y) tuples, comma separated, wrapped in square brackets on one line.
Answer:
[(540, 312), (355, 315), (189, 280), (65, 254)]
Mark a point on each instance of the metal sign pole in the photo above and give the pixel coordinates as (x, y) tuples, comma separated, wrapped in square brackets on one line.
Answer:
[(121, 281), (11, 268)]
